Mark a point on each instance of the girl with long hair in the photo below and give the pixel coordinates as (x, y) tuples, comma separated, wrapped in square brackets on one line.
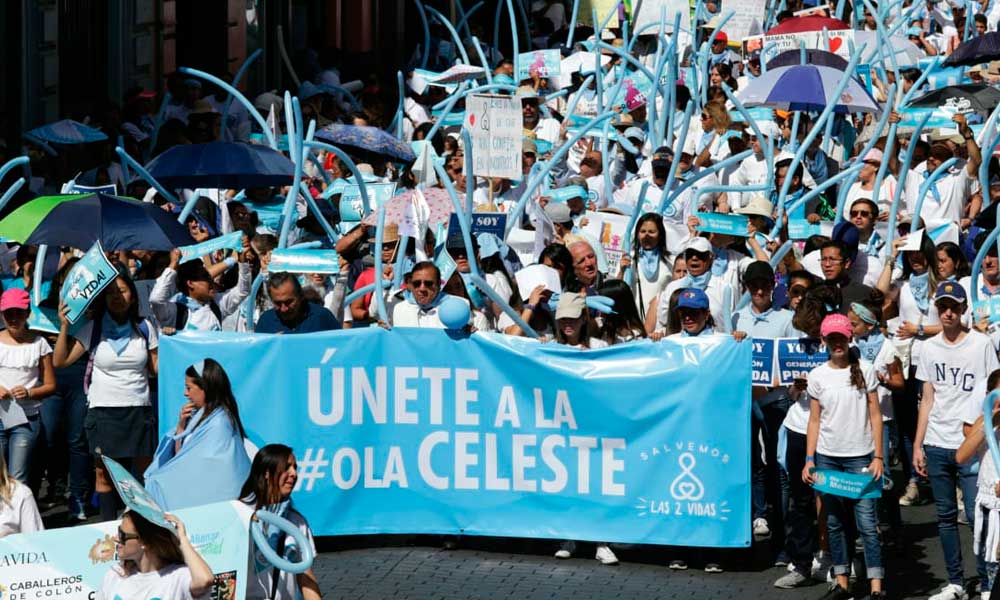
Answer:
[(123, 357), (649, 260), (624, 324), (845, 434), (155, 563), (269, 488), (18, 511), (208, 439)]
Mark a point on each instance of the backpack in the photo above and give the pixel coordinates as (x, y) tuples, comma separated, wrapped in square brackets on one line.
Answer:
[(95, 339), (180, 321)]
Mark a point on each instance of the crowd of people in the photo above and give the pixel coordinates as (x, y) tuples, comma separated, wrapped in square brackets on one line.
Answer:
[(899, 398)]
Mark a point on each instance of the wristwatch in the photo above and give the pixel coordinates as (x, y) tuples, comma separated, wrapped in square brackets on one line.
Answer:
[(530, 307), (920, 329)]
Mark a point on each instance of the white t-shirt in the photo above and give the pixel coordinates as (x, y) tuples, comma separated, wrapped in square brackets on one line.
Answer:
[(20, 515), (751, 172), (954, 190), (908, 311), (169, 583), (19, 366), (119, 380), (954, 370), (844, 429), (260, 571)]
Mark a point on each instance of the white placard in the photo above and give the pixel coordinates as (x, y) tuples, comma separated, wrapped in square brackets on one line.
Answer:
[(746, 19), (838, 42), (496, 127), (648, 11)]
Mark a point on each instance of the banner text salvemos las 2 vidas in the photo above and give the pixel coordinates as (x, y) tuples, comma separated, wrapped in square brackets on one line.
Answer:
[(419, 431)]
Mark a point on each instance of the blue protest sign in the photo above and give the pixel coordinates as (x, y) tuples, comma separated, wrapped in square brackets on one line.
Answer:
[(230, 241), (544, 63), (848, 485), (763, 362), (796, 357), (728, 224), (304, 260), (941, 117), (85, 280), (445, 263), (496, 435), (75, 188), (485, 222), (378, 194), (70, 563), (564, 194), (134, 495)]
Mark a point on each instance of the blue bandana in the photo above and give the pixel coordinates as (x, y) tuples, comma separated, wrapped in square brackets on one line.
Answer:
[(649, 263), (116, 335), (720, 263), (919, 285), (699, 281), (870, 345), (933, 188)]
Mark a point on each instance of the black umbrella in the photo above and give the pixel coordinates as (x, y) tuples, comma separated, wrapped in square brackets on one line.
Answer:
[(980, 49), (981, 97), (221, 165), (813, 57)]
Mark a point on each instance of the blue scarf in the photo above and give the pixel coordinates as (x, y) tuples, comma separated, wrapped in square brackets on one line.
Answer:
[(874, 246), (760, 317), (699, 281), (720, 263), (649, 263), (117, 336), (933, 188), (475, 298), (706, 331), (870, 345), (408, 296), (918, 285)]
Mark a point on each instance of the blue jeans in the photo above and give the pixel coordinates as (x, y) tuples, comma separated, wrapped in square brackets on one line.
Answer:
[(63, 415), (864, 518), (945, 474), (18, 445)]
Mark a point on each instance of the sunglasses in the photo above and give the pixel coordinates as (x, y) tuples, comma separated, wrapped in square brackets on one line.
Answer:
[(797, 290), (860, 213), (419, 283), (124, 537)]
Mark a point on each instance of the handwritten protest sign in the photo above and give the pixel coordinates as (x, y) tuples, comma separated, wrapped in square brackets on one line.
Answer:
[(230, 241), (838, 42), (85, 280), (544, 63), (746, 19), (796, 357), (763, 362), (647, 12), (495, 125)]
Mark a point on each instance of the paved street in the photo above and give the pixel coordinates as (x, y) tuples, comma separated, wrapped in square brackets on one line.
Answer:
[(377, 567)]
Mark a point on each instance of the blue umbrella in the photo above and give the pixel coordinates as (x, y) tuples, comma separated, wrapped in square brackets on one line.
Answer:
[(980, 49), (807, 88), (67, 132), (362, 138), (226, 165)]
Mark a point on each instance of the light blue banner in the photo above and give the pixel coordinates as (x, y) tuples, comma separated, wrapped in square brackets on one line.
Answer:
[(735, 225), (69, 563), (796, 357), (564, 194), (304, 260), (763, 362), (422, 431), (88, 277), (848, 485), (546, 63), (230, 241), (352, 205)]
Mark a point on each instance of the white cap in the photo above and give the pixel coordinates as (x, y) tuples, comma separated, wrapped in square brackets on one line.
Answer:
[(699, 244)]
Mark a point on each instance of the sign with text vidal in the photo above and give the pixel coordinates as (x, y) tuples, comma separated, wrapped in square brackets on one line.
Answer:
[(417, 431), (495, 125), (70, 563), (88, 277)]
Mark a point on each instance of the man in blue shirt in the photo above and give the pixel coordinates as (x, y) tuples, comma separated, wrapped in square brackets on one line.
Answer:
[(291, 312)]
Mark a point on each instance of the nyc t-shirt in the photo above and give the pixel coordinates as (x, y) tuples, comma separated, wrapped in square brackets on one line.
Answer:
[(954, 370)]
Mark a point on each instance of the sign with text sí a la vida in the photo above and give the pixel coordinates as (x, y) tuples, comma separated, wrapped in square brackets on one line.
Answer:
[(495, 126)]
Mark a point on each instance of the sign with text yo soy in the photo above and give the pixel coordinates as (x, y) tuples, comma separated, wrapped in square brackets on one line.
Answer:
[(495, 126)]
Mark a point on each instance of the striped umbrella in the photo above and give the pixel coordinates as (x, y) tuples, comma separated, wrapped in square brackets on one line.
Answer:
[(67, 132), (807, 88)]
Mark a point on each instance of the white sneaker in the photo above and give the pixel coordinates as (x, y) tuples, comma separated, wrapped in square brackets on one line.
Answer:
[(952, 591), (566, 549), (760, 528), (605, 555), (911, 496), (822, 563)]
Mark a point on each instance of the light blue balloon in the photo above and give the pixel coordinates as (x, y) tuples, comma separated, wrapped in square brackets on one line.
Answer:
[(454, 313)]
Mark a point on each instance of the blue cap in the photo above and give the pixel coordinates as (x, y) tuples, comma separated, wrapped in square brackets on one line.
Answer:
[(693, 298), (914, 31), (951, 290)]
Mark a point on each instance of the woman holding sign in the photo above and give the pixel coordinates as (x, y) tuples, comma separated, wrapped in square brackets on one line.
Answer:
[(156, 564), (26, 378), (120, 421), (269, 488), (845, 428)]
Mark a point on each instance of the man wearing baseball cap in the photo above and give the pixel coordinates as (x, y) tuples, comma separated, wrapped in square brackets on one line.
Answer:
[(698, 254), (951, 365)]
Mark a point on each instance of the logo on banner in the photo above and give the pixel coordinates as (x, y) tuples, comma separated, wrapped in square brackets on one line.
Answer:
[(103, 550), (224, 587), (687, 492)]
